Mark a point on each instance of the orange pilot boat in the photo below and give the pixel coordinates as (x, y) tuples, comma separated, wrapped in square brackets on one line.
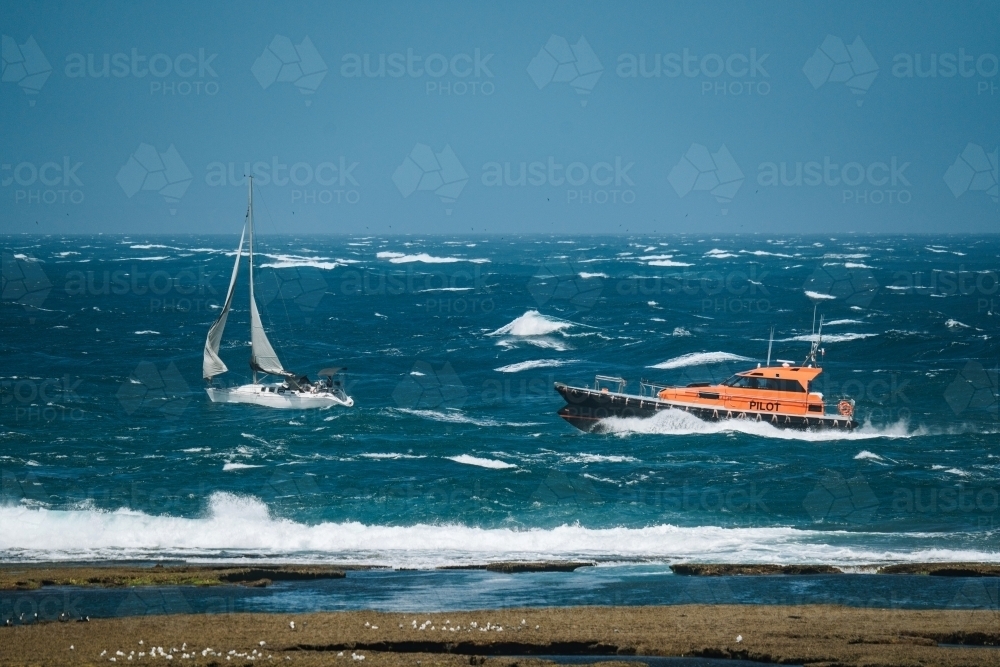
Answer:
[(778, 395)]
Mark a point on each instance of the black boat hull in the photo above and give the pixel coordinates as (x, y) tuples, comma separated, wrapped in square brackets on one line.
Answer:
[(585, 409)]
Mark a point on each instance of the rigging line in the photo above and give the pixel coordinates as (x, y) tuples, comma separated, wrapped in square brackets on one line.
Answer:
[(277, 285)]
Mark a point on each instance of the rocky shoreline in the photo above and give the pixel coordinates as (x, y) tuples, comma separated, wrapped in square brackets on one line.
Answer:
[(802, 635), (37, 575), (30, 577)]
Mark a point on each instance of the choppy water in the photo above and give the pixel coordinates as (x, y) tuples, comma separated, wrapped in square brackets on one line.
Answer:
[(109, 447)]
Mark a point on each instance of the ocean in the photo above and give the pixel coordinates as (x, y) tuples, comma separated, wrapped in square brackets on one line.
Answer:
[(453, 453)]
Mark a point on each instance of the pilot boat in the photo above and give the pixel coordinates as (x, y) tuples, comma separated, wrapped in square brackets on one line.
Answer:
[(292, 391), (778, 395)]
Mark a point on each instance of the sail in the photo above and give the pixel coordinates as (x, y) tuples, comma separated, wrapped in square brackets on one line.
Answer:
[(262, 355), (212, 365)]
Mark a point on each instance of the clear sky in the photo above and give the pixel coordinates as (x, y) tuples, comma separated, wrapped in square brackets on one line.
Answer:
[(452, 117)]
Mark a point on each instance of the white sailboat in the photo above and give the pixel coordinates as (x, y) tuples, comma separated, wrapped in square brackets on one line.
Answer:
[(294, 391)]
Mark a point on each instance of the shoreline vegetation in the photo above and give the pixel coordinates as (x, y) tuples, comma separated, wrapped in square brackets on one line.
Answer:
[(802, 635), (31, 576)]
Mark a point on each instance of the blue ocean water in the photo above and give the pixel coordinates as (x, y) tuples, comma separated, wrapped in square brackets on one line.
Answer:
[(453, 453)]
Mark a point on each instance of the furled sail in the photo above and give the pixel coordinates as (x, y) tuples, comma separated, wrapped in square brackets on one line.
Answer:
[(262, 355), (212, 365)]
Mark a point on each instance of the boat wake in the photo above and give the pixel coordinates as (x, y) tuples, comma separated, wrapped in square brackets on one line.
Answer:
[(678, 422)]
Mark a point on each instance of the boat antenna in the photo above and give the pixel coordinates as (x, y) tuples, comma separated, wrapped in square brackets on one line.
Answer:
[(811, 359), (769, 344)]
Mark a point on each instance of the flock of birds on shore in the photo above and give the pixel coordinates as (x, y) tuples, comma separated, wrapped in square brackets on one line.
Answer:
[(29, 619)]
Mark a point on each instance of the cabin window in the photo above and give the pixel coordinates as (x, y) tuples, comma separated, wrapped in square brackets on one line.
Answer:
[(769, 384), (815, 408)]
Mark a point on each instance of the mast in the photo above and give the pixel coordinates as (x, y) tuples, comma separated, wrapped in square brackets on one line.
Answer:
[(815, 347), (250, 217), (263, 359), (769, 344)]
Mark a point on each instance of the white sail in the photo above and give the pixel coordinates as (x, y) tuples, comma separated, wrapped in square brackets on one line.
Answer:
[(262, 355), (212, 365)]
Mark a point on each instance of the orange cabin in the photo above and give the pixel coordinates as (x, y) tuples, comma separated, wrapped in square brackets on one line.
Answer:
[(780, 389)]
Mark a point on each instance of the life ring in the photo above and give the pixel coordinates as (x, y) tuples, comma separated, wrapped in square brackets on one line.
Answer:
[(845, 408)]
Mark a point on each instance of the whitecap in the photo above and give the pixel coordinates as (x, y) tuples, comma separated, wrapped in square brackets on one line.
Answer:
[(599, 458), (401, 258), (699, 358), (668, 262), (532, 323), (829, 338), (392, 456), (532, 364), (237, 466), (297, 261), (481, 462), (764, 253)]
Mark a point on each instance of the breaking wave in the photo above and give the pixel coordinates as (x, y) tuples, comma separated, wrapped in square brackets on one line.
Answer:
[(236, 526), (699, 358), (532, 323)]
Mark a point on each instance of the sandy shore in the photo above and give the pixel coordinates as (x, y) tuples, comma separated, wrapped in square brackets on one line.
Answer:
[(812, 635)]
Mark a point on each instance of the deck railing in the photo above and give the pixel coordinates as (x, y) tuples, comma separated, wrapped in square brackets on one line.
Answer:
[(610, 379), (650, 389)]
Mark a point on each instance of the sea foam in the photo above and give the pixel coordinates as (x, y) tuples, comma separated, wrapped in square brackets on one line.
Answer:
[(234, 526)]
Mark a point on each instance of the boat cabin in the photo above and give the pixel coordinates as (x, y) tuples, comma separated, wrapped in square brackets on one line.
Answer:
[(784, 389)]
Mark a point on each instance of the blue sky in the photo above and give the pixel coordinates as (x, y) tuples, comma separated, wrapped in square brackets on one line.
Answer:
[(609, 140)]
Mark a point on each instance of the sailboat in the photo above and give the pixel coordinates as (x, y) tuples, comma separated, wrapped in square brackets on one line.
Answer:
[(293, 391)]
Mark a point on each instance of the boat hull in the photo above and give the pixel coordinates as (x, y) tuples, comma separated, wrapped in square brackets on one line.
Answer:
[(288, 399), (585, 409)]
